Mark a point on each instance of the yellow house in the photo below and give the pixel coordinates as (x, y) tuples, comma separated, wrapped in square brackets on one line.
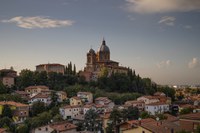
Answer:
[(20, 111), (75, 101)]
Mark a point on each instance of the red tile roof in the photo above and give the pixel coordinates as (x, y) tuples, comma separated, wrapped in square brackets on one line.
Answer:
[(12, 103), (192, 116), (2, 130), (35, 87), (157, 103), (63, 126)]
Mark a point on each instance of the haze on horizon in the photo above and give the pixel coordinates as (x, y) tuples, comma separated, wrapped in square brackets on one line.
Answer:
[(158, 38)]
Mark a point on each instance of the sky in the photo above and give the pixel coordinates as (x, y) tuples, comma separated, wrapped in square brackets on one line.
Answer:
[(159, 39)]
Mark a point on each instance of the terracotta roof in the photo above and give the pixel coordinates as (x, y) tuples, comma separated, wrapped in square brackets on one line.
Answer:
[(77, 98), (134, 101), (21, 92), (161, 127), (157, 103), (102, 99), (39, 95), (12, 103), (69, 106), (186, 106), (63, 126), (62, 92), (171, 118), (192, 116), (35, 87), (2, 130)]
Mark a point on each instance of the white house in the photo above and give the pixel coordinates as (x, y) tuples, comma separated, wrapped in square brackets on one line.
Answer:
[(104, 101), (40, 97), (139, 104), (86, 97), (88, 107), (148, 99), (155, 108), (71, 112)]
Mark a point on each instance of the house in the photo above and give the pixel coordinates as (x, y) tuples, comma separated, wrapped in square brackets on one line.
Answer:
[(57, 68), (75, 101), (88, 107), (71, 112), (46, 99), (154, 108), (86, 97), (59, 127), (61, 96), (139, 104), (104, 101), (8, 81), (20, 111), (190, 122), (32, 90), (24, 95), (148, 99)]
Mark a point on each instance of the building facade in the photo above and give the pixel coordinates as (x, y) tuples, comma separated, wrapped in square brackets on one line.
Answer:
[(58, 68), (97, 61)]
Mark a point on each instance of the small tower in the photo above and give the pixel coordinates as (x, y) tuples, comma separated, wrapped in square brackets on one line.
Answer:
[(91, 60)]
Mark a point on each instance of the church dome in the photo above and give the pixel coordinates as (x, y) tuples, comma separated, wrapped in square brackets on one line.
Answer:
[(104, 48)]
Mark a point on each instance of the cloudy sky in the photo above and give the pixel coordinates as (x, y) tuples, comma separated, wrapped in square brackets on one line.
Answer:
[(160, 39)]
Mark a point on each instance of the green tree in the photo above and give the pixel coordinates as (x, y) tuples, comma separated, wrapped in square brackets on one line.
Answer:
[(74, 70), (22, 129), (170, 92), (2, 88), (144, 115), (186, 111), (40, 78), (5, 122), (92, 123), (7, 112), (37, 108), (25, 79)]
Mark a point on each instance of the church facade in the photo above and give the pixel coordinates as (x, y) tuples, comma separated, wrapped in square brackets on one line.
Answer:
[(96, 61)]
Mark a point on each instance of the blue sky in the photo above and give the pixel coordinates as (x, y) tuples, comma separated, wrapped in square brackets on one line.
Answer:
[(158, 38)]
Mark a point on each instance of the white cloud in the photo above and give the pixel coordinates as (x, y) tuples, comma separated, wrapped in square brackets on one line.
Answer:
[(167, 20), (188, 27), (164, 64), (194, 63), (38, 22), (162, 6)]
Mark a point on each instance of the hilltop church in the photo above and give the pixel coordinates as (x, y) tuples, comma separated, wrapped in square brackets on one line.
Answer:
[(96, 61)]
